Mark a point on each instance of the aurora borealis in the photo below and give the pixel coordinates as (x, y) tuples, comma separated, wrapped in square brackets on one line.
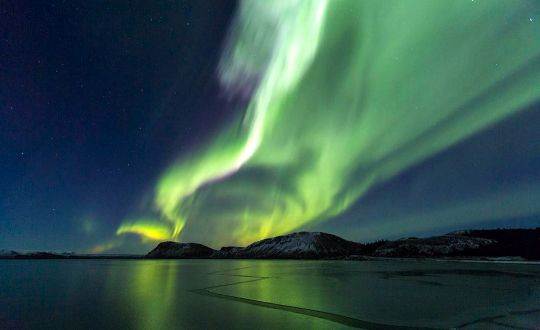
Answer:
[(334, 101), (349, 93)]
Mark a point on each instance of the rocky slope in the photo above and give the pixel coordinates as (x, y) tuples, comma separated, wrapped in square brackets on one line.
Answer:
[(8, 254), (302, 245), (227, 252), (519, 243), (447, 245), (522, 243), (180, 250), (510, 242)]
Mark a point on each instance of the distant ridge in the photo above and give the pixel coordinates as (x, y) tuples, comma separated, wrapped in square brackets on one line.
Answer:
[(180, 250), (487, 244), (521, 243), (301, 245), (10, 254)]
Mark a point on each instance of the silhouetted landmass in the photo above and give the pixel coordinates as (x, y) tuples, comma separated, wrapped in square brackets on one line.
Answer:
[(227, 252), (446, 245), (10, 254), (510, 242), (522, 243), (180, 250), (31, 255), (369, 248), (301, 245), (493, 243)]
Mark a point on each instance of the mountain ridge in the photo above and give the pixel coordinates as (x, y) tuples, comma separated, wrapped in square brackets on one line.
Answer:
[(522, 243), (487, 244)]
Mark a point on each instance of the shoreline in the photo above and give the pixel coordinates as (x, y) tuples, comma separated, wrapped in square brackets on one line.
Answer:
[(367, 258)]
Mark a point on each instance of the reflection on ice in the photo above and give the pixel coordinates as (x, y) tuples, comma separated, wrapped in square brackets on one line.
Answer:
[(202, 294)]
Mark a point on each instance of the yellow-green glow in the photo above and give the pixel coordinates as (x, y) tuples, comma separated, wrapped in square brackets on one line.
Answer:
[(103, 247), (350, 93), (149, 229)]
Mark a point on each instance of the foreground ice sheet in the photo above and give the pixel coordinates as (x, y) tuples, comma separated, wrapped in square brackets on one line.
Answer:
[(202, 294)]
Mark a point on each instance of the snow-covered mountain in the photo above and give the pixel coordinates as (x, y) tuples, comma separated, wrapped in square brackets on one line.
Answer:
[(301, 245), (524, 243)]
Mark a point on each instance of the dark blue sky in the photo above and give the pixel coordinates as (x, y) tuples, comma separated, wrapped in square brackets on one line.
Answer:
[(489, 180), (97, 98)]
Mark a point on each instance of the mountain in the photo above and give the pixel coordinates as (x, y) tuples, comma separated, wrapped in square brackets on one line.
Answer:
[(228, 252), (8, 254), (180, 250), (5, 254), (510, 242), (302, 245), (521, 243), (518, 243), (446, 245)]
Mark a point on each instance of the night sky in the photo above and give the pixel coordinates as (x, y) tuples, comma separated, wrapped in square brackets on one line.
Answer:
[(126, 123)]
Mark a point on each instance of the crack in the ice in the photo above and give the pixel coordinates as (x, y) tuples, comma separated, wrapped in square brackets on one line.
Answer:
[(338, 318), (333, 317), (493, 319), (509, 325)]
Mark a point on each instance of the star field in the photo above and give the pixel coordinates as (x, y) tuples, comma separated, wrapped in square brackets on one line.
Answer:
[(127, 123)]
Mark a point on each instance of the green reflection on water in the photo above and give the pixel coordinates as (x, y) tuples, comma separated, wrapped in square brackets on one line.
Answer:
[(203, 294), (212, 294), (147, 293)]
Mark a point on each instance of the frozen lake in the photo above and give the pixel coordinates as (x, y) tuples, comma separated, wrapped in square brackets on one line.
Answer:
[(251, 294)]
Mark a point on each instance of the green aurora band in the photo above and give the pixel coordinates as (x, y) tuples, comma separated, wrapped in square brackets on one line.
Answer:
[(348, 94)]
